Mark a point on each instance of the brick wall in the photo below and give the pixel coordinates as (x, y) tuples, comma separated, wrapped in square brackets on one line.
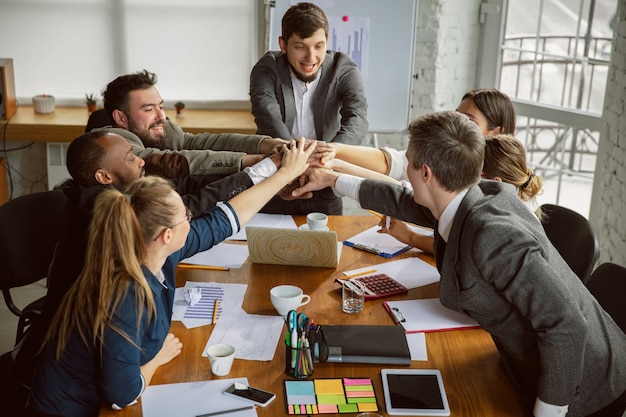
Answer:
[(608, 207)]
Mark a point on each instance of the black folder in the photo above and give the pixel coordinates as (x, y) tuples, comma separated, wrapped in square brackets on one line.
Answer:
[(385, 345)]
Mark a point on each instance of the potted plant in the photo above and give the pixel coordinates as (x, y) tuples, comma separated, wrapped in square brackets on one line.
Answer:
[(91, 100), (180, 106)]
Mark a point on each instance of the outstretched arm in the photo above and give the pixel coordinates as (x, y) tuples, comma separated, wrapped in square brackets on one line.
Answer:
[(294, 163)]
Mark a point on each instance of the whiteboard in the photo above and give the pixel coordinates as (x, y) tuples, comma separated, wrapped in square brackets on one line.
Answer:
[(379, 35)]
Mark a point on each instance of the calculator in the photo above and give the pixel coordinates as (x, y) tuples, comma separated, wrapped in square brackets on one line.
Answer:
[(380, 285)]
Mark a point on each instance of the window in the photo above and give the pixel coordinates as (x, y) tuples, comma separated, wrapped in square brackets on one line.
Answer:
[(551, 58), (201, 50)]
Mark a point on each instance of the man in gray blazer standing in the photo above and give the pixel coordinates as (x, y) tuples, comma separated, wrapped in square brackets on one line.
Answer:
[(563, 352), (304, 90)]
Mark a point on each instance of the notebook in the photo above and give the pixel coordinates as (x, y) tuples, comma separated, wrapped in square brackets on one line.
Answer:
[(384, 345), (268, 245)]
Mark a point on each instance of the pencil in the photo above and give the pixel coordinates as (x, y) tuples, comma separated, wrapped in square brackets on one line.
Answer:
[(215, 307), (375, 214), (205, 267), (371, 271)]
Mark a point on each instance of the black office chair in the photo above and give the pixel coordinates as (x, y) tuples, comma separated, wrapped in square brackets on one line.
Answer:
[(30, 227), (97, 119), (608, 284), (572, 235)]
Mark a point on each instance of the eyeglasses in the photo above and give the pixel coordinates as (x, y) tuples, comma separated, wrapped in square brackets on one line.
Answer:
[(188, 217)]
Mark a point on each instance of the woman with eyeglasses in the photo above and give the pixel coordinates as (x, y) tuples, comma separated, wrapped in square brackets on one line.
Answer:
[(105, 345)]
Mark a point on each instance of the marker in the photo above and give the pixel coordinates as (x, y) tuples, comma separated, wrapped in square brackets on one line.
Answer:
[(215, 307), (205, 267), (387, 222)]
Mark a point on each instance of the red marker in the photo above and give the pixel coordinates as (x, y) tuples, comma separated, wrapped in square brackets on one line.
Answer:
[(345, 18)]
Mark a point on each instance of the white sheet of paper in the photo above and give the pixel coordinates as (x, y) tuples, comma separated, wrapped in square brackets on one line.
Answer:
[(231, 302), (283, 221), (410, 272), (417, 346), (224, 254), (255, 337), (189, 399), (424, 315)]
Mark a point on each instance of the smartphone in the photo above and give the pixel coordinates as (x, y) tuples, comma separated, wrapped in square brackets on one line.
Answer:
[(254, 395)]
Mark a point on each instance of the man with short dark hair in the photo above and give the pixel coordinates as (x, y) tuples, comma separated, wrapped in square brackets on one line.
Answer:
[(563, 352), (305, 90), (135, 107)]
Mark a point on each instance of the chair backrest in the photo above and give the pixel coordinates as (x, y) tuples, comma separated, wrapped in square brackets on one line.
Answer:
[(572, 235), (99, 118), (30, 227), (608, 284)]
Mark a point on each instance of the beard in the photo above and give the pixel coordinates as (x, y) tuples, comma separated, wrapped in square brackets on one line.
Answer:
[(304, 78), (149, 138)]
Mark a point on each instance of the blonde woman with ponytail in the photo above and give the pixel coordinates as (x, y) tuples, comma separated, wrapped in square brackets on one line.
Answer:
[(111, 333)]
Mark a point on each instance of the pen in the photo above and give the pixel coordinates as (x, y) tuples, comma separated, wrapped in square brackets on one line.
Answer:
[(370, 271), (367, 248), (205, 267), (387, 222), (215, 307), (234, 410)]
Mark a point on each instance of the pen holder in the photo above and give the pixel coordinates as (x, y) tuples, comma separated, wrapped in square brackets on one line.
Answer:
[(298, 362)]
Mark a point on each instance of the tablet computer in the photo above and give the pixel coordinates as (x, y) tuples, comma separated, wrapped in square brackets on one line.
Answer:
[(414, 392)]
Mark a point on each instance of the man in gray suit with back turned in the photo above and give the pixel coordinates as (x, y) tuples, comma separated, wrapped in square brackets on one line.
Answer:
[(563, 352), (307, 91)]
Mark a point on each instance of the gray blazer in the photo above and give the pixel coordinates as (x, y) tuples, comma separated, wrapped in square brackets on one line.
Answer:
[(339, 105), (498, 267)]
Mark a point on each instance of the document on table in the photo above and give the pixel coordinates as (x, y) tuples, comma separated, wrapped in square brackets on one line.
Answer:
[(193, 399), (282, 221), (231, 299), (427, 315), (254, 336), (410, 272), (417, 346), (227, 255), (381, 244)]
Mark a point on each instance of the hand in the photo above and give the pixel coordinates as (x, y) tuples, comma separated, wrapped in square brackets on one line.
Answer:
[(271, 145), (397, 228), (296, 156), (316, 179), (285, 193), (324, 153), (170, 349)]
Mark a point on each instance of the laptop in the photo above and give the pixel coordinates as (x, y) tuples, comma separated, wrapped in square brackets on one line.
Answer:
[(269, 245)]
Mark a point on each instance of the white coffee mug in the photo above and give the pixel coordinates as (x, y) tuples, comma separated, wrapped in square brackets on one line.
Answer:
[(288, 297), (317, 221), (221, 357)]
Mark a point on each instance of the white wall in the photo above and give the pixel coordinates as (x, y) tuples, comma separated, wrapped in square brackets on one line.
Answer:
[(608, 206)]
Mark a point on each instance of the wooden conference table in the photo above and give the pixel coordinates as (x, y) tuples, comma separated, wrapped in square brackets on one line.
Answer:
[(475, 382)]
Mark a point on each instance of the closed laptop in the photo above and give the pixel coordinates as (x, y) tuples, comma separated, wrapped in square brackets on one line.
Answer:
[(268, 245)]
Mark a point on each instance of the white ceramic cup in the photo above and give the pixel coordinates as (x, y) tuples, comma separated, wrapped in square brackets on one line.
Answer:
[(288, 297), (317, 221), (221, 357)]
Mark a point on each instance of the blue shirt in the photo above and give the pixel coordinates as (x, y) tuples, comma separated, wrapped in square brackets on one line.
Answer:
[(85, 375)]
